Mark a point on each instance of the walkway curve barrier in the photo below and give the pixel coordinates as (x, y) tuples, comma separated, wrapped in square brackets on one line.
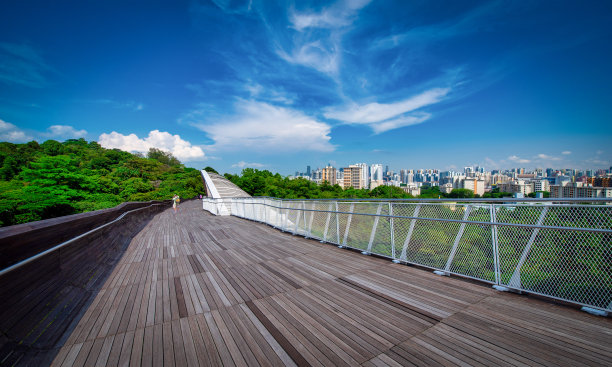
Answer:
[(43, 296), (557, 248)]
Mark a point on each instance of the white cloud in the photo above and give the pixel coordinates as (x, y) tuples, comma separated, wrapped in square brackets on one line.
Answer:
[(134, 106), (64, 132), (319, 52), (263, 127), (377, 112), (548, 157), (12, 134), (387, 125), (257, 91), (165, 141), (517, 159), (566, 152), (337, 16), (383, 117), (316, 55), (243, 164)]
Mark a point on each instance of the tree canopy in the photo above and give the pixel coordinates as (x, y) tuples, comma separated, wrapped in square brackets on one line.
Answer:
[(41, 181)]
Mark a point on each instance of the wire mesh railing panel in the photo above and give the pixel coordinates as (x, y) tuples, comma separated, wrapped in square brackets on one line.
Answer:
[(343, 219), (318, 219), (403, 227), (519, 214), (431, 243), (474, 253), (380, 243), (565, 264), (360, 228), (588, 216)]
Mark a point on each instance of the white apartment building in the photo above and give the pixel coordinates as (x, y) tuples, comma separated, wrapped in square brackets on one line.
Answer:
[(520, 187), (579, 190), (541, 185), (446, 188), (365, 175), (477, 186)]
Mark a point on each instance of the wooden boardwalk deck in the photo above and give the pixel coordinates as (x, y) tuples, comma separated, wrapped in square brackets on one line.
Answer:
[(195, 289)]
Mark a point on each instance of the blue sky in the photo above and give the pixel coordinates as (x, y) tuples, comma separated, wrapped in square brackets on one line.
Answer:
[(281, 85)]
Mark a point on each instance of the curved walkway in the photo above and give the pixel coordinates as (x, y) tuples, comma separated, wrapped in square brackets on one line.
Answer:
[(195, 289)]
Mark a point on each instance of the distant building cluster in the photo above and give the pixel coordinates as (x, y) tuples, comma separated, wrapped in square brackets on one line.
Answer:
[(560, 183)]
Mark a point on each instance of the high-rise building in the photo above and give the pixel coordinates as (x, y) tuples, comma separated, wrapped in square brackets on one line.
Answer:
[(308, 171), (376, 172), (365, 175), (329, 174), (352, 177)]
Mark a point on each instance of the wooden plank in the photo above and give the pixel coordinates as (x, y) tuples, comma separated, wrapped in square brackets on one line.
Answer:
[(127, 348), (105, 352), (228, 339), (147, 347), (290, 348), (180, 358), (222, 348), (168, 348)]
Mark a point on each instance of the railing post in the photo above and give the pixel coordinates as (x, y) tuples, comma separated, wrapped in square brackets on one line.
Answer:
[(451, 256), (337, 225), (392, 229), (348, 224), (373, 233), (297, 221), (312, 213), (496, 267), (409, 235), (515, 280), (327, 223)]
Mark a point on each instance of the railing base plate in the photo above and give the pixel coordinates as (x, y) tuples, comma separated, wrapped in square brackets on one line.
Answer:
[(365, 253), (440, 272), (396, 261), (594, 311), (501, 288)]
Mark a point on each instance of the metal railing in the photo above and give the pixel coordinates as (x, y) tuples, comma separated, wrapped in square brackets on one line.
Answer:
[(558, 249)]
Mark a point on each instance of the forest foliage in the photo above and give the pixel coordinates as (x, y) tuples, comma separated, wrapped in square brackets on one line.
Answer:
[(41, 181)]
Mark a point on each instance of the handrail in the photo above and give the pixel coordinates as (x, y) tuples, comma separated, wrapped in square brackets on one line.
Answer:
[(442, 200), (66, 243)]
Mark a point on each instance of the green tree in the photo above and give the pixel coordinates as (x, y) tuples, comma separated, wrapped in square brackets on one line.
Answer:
[(461, 193), (210, 169), (163, 157)]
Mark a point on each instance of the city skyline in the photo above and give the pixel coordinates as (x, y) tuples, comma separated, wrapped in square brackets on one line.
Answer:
[(277, 85)]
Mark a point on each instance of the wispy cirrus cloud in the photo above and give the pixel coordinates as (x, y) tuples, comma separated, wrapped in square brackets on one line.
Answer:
[(318, 42), (548, 157), (131, 105), (163, 140), (243, 164), (517, 159), (22, 64), (382, 117), (259, 126), (566, 152)]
